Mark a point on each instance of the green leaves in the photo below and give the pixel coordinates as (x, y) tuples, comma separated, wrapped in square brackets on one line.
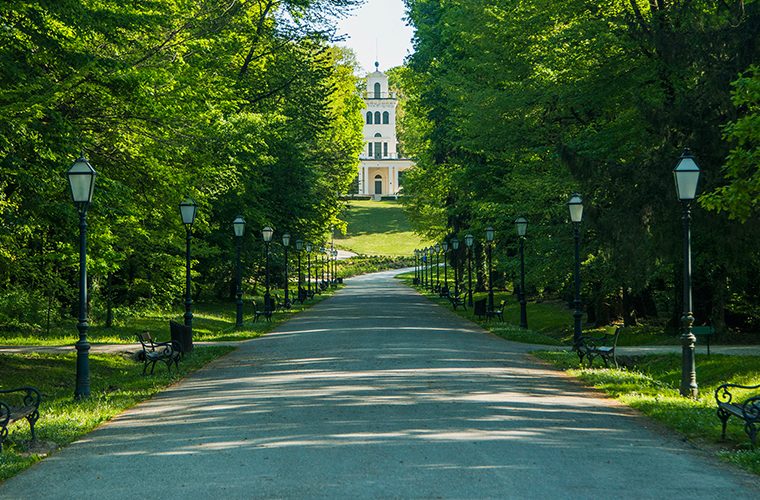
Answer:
[(153, 93)]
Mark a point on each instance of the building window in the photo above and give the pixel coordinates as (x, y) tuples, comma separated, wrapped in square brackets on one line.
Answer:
[(377, 91), (386, 118), (385, 149), (378, 134), (369, 149), (377, 118), (369, 117), (378, 150)]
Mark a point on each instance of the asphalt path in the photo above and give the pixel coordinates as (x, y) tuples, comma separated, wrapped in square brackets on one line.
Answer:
[(378, 393)]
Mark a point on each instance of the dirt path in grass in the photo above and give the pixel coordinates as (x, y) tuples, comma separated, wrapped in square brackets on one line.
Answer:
[(377, 393)]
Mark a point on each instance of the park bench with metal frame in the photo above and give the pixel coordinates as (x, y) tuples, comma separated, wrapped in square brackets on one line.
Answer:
[(168, 353), (499, 311), (267, 313), (704, 331), (444, 291), (747, 410), (457, 301), (603, 346), (29, 409)]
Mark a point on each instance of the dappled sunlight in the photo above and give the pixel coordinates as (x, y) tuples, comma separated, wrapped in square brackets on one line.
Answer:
[(411, 392)]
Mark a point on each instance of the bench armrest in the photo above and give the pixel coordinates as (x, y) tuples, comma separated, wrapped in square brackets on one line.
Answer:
[(31, 398), (751, 409), (723, 392)]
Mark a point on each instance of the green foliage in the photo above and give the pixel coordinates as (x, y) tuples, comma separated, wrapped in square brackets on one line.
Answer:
[(742, 169), (118, 386), (650, 384), (245, 106), (512, 106)]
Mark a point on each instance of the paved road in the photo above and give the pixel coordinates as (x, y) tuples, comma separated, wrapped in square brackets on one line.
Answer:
[(376, 393)]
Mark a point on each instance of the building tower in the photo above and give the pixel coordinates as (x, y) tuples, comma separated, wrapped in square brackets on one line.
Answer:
[(380, 166)]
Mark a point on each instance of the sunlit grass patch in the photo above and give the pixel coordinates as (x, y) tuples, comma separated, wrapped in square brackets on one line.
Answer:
[(117, 383)]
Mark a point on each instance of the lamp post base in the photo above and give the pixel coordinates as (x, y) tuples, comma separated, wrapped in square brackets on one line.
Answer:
[(82, 390), (688, 370), (523, 312)]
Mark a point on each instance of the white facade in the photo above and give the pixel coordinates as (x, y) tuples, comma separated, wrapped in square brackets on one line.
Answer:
[(380, 163)]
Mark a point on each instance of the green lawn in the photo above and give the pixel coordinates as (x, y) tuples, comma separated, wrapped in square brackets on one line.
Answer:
[(212, 321), (378, 228), (550, 322)]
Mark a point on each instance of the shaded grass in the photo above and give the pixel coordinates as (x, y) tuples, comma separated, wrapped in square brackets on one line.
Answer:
[(117, 384), (212, 322), (378, 228), (650, 384), (550, 322)]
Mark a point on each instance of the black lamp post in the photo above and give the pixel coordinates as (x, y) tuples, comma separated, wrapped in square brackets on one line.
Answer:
[(299, 248), (239, 226), (575, 205), (286, 244), (416, 267), (431, 262), (686, 175), (455, 248), (521, 223), (267, 233), (468, 241), (423, 265), (308, 269), (437, 267), (445, 289), (324, 265), (489, 241), (335, 267), (81, 177), (188, 209)]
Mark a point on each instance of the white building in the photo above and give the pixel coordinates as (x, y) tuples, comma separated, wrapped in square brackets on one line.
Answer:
[(380, 163)]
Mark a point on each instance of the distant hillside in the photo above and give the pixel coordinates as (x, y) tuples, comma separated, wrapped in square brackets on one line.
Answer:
[(378, 228)]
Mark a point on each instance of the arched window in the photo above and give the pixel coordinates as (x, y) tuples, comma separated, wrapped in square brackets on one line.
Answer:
[(378, 134), (386, 118), (377, 117), (369, 117), (377, 149), (377, 90), (378, 184)]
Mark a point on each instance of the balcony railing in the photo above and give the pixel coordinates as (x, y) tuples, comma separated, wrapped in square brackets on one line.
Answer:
[(380, 95), (393, 156)]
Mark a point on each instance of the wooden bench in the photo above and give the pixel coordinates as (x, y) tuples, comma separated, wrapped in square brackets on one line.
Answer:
[(457, 301), (603, 346), (28, 408), (747, 410), (704, 331), (168, 353)]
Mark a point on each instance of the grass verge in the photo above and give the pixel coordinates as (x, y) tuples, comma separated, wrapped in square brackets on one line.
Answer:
[(550, 321), (650, 384), (117, 384), (212, 322)]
